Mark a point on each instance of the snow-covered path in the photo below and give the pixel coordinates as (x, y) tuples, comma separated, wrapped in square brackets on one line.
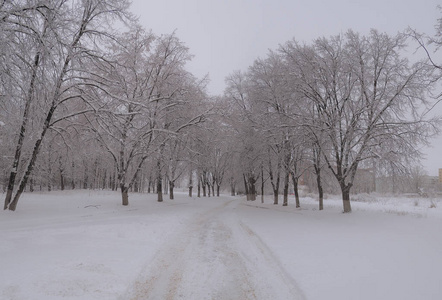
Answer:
[(215, 256)]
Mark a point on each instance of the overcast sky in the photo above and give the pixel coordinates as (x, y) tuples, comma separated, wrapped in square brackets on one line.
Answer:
[(228, 35)]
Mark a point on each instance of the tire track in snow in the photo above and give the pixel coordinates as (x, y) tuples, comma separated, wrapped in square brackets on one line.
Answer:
[(215, 257)]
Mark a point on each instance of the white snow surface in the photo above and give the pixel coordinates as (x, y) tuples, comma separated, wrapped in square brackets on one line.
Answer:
[(86, 245)]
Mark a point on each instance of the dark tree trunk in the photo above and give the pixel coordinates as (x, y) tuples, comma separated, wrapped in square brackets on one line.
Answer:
[(124, 195), (252, 188), (21, 137), (217, 190), (246, 187), (61, 181), (136, 187), (31, 164), (160, 190), (346, 198), (73, 175), (190, 182), (149, 184), (275, 197), (317, 168), (275, 184), (49, 169), (320, 190), (104, 180), (199, 187), (286, 189), (159, 182), (86, 177), (171, 186), (262, 184), (295, 189), (31, 184)]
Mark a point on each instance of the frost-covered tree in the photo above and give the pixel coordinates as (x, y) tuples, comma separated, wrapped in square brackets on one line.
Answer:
[(151, 99), (247, 141), (367, 97), (64, 43)]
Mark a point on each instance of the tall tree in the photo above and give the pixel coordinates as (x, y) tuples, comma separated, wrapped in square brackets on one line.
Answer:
[(75, 28), (366, 95)]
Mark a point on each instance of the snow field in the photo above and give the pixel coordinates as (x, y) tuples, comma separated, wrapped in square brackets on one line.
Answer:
[(85, 245), (387, 249)]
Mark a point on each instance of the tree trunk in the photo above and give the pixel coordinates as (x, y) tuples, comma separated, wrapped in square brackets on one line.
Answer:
[(124, 195), (86, 177), (252, 188), (320, 190), (190, 182), (149, 185), (199, 187), (346, 198), (217, 190), (275, 197), (49, 168), (73, 175), (275, 185), (246, 187), (136, 187), (295, 190), (160, 190), (171, 186), (262, 184), (104, 182), (61, 181), (21, 137), (159, 182), (31, 164), (286, 189), (31, 184)]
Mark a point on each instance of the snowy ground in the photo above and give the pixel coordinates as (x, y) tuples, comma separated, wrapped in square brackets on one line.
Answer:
[(85, 245)]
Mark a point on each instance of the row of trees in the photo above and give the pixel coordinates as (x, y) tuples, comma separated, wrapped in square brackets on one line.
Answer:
[(93, 105), (83, 105), (337, 105)]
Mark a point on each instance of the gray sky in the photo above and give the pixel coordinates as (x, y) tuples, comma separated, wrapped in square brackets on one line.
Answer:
[(228, 35)]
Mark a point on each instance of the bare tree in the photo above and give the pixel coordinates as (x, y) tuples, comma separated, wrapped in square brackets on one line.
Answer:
[(27, 28), (74, 27), (366, 95)]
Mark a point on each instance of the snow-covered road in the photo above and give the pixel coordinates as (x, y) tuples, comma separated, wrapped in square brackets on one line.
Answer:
[(215, 256)]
